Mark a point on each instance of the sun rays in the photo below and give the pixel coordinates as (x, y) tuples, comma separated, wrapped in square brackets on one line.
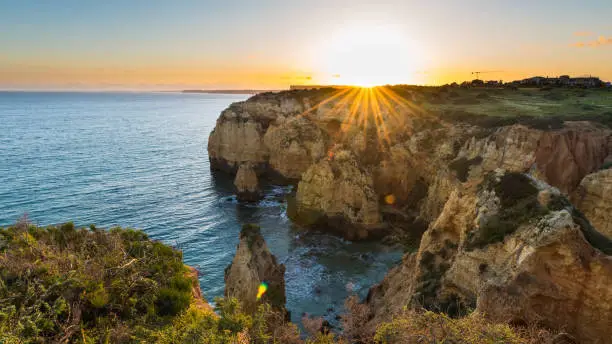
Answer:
[(377, 112)]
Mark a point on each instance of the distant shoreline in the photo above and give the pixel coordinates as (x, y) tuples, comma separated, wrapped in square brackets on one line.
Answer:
[(229, 91)]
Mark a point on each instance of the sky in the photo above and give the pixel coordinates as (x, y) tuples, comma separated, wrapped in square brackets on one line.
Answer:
[(270, 44)]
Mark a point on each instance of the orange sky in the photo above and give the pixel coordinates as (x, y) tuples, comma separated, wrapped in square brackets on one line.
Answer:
[(272, 44)]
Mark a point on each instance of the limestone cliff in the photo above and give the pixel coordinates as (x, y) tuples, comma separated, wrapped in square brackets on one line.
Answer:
[(397, 156), (594, 198), (252, 265), (516, 250), (336, 189)]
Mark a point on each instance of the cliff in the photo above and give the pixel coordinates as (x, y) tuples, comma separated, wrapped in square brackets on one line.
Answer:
[(482, 199), (514, 249), (594, 198), (372, 161)]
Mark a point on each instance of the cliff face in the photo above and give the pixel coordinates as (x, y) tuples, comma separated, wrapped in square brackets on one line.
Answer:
[(594, 198), (514, 249), (253, 265), (500, 235), (351, 162)]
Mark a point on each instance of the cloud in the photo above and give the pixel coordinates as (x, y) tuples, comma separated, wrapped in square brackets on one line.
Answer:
[(583, 33), (600, 41)]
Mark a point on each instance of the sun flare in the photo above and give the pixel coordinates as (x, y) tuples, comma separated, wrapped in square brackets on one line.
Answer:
[(370, 56)]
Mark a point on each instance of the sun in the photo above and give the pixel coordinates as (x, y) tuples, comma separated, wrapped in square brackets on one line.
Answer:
[(369, 55)]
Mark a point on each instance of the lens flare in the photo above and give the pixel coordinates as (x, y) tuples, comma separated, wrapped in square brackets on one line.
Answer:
[(263, 287)]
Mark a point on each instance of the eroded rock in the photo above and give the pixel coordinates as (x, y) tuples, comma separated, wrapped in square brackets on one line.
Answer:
[(247, 184), (337, 192), (516, 250), (252, 265), (594, 198)]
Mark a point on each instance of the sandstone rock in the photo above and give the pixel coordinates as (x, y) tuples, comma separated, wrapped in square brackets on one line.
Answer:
[(247, 184), (336, 190), (252, 265), (594, 198), (294, 134), (237, 138), (564, 157), (294, 146), (515, 249)]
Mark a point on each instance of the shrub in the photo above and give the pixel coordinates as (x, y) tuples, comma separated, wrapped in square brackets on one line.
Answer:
[(414, 326), (518, 204), (63, 282)]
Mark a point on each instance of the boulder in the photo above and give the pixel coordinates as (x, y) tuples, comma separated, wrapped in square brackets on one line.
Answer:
[(253, 265)]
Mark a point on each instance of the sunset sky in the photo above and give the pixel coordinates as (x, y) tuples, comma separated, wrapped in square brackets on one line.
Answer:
[(269, 44)]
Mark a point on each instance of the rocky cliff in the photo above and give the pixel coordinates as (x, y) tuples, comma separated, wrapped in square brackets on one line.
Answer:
[(512, 248), (594, 198), (362, 165), (253, 265), (484, 199)]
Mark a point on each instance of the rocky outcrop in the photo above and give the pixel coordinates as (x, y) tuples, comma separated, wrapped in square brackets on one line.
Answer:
[(253, 265), (563, 158), (294, 145), (594, 198), (247, 184), (400, 157), (516, 250), (237, 138), (198, 298), (337, 192)]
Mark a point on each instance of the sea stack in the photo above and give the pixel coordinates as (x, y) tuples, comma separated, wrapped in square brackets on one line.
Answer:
[(247, 184), (253, 266)]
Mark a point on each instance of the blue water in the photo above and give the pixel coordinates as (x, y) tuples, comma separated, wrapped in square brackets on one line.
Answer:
[(140, 160)]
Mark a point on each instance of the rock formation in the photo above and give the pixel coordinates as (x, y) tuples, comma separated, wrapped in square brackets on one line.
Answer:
[(516, 250), (196, 292), (252, 265), (594, 198), (490, 194), (247, 184), (336, 189), (413, 157)]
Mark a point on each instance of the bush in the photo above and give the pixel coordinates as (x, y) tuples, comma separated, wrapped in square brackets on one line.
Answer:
[(63, 282), (422, 327)]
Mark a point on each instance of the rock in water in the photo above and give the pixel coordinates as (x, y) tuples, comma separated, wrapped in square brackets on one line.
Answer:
[(247, 184), (253, 264), (594, 198)]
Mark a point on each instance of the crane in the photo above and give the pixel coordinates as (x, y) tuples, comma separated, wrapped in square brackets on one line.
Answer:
[(485, 71)]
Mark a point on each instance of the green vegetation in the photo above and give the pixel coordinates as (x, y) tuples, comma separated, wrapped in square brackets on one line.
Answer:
[(429, 327), (518, 204), (462, 166), (62, 284)]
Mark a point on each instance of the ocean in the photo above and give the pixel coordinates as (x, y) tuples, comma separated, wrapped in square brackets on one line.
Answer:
[(139, 160)]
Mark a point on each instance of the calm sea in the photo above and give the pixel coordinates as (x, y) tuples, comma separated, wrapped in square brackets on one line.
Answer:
[(140, 160)]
